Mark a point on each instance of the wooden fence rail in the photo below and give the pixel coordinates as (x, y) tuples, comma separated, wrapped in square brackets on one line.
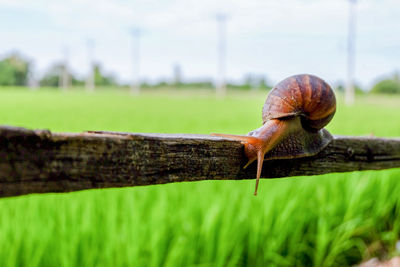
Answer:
[(38, 161)]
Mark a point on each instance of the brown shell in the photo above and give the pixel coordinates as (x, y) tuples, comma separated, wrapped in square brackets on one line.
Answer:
[(301, 95)]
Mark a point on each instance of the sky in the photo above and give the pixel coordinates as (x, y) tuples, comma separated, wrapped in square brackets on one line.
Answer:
[(275, 38)]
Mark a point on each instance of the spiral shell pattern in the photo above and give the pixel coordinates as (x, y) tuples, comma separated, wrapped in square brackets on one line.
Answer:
[(301, 95)]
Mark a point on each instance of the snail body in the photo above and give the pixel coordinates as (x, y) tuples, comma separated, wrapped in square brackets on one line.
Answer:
[(294, 114)]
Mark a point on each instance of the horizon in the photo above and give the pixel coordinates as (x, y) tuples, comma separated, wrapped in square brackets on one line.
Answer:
[(261, 40)]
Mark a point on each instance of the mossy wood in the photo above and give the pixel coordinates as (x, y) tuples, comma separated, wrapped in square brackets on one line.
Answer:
[(38, 161)]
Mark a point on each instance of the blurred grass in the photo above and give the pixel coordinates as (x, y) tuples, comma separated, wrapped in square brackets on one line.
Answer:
[(328, 220)]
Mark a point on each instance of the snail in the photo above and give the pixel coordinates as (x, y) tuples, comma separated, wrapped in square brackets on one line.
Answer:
[(294, 114)]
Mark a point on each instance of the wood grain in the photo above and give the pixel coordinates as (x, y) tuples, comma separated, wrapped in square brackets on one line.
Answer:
[(38, 161)]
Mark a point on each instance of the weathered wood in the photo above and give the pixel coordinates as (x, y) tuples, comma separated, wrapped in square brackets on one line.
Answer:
[(41, 161)]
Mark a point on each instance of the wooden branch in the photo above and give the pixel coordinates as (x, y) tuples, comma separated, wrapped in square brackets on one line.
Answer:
[(40, 161)]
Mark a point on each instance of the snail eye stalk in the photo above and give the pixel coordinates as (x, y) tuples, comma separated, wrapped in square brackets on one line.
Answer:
[(260, 161)]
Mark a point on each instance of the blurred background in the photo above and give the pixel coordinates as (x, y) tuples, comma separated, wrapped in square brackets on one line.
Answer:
[(178, 66), (243, 44)]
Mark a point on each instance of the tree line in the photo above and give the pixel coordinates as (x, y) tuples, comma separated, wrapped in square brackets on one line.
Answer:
[(16, 70)]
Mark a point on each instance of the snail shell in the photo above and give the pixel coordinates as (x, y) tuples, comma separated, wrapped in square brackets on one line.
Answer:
[(302, 95), (310, 103)]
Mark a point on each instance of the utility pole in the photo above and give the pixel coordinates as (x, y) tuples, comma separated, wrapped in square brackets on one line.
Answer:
[(221, 72), (349, 94), (32, 81), (64, 75), (90, 79), (177, 75), (135, 86)]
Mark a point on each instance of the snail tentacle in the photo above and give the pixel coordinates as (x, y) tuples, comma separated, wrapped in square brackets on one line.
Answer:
[(242, 138), (260, 161)]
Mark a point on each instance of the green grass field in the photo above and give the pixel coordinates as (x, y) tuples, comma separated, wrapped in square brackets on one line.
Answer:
[(327, 220)]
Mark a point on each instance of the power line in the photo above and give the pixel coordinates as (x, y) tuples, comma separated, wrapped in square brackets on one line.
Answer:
[(349, 94)]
